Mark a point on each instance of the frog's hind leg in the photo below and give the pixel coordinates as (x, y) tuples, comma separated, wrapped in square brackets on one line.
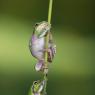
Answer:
[(39, 65)]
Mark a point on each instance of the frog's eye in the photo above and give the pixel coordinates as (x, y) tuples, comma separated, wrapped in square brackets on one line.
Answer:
[(35, 82), (36, 24)]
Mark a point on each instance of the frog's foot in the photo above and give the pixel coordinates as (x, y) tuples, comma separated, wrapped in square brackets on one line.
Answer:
[(45, 70), (39, 65)]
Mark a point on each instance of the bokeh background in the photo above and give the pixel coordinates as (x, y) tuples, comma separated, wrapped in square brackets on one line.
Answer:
[(73, 69)]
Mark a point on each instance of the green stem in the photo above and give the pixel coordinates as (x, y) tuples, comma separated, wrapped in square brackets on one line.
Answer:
[(49, 21), (50, 11), (46, 40)]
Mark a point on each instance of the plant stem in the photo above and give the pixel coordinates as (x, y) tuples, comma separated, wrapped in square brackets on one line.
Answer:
[(50, 11), (46, 41)]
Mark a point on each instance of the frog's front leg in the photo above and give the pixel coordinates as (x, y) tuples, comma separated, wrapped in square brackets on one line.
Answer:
[(50, 51)]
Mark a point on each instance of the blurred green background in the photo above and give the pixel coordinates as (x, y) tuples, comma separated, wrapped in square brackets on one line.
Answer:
[(73, 69)]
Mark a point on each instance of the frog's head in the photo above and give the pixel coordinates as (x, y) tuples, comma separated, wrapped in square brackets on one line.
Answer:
[(35, 86), (42, 28), (38, 86)]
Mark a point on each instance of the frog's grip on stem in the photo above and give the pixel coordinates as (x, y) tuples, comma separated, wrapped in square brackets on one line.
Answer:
[(45, 69)]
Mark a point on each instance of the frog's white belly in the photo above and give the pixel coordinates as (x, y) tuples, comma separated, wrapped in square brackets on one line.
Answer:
[(38, 44), (37, 48)]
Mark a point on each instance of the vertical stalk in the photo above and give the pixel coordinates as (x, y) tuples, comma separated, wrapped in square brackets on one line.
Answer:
[(46, 41), (49, 21), (50, 11)]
